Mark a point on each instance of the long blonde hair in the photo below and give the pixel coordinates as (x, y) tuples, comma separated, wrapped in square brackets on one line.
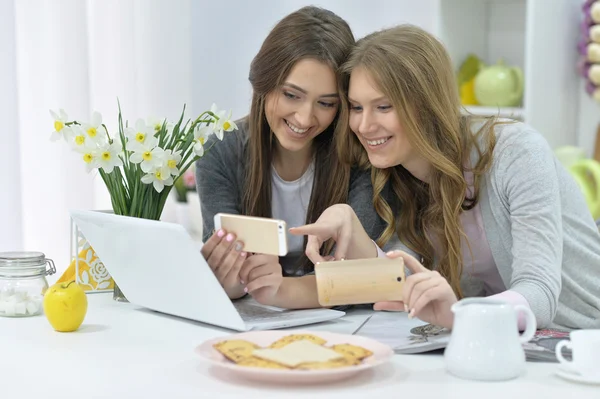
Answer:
[(414, 71)]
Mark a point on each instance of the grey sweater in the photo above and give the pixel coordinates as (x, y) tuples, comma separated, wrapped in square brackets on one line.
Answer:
[(542, 236), (220, 181)]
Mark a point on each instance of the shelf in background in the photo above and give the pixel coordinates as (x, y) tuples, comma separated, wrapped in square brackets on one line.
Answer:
[(507, 112)]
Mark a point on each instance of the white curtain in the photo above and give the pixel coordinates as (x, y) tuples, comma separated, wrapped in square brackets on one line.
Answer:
[(11, 236), (80, 56)]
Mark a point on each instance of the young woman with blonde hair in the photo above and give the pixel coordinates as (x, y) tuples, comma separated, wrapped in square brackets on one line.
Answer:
[(281, 162), (486, 209)]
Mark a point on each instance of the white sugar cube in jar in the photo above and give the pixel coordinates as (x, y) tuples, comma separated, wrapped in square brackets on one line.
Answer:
[(23, 283)]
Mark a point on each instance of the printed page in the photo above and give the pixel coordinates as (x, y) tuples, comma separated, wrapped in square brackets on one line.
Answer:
[(542, 347), (408, 336), (404, 335)]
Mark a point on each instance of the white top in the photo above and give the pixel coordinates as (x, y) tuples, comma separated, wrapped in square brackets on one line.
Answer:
[(289, 202), (478, 262), (124, 351)]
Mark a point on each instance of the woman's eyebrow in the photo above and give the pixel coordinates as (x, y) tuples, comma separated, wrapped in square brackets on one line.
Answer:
[(301, 90), (375, 100)]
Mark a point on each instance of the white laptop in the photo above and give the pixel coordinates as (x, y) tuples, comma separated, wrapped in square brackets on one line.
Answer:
[(158, 266)]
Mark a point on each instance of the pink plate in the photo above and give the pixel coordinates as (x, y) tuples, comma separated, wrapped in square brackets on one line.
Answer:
[(381, 354)]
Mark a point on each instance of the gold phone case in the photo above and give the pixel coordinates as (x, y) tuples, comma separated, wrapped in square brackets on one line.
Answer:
[(353, 282), (259, 235)]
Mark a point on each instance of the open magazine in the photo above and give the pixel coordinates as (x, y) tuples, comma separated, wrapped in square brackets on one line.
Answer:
[(408, 336)]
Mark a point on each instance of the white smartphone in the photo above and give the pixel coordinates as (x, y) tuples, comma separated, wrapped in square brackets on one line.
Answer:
[(259, 235)]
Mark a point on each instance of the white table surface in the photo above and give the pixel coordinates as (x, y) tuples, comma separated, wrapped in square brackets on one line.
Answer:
[(124, 351)]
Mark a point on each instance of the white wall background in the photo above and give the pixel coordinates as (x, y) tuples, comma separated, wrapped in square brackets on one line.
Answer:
[(227, 34), (588, 121), (154, 55)]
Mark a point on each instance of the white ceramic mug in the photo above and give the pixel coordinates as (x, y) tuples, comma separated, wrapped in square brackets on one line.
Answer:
[(585, 348)]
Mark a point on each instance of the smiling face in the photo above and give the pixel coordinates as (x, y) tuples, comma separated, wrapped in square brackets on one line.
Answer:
[(375, 122), (304, 106), (377, 125)]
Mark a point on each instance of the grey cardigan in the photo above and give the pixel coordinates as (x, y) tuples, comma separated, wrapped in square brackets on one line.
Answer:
[(220, 181), (542, 236)]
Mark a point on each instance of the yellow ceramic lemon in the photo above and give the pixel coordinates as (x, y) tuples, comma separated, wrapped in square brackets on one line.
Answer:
[(65, 306)]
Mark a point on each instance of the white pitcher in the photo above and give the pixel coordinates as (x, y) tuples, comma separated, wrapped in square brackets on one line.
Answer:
[(485, 343)]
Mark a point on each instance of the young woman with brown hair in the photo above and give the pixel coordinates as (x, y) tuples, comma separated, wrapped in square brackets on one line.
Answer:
[(281, 162), (484, 203)]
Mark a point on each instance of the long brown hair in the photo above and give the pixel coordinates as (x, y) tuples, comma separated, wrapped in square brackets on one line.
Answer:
[(314, 33), (414, 71)]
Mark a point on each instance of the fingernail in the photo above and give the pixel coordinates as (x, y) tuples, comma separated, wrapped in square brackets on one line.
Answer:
[(238, 246), (342, 259), (411, 314), (242, 254), (242, 282), (392, 252), (246, 290), (220, 233), (406, 308), (229, 237)]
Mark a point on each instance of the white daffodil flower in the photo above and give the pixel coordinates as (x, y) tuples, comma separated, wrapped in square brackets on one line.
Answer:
[(150, 157), (108, 156), (141, 137), (60, 127), (218, 115), (87, 148), (224, 124), (78, 139), (159, 178), (157, 123), (171, 160), (201, 134), (94, 130), (89, 155)]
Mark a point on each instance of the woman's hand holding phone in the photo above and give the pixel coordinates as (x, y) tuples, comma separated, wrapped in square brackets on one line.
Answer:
[(426, 294), (225, 256)]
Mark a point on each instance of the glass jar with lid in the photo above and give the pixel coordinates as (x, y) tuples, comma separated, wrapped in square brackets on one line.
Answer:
[(23, 282)]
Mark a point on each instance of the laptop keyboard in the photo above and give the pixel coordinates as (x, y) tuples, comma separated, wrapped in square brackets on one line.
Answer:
[(253, 312), (250, 312)]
